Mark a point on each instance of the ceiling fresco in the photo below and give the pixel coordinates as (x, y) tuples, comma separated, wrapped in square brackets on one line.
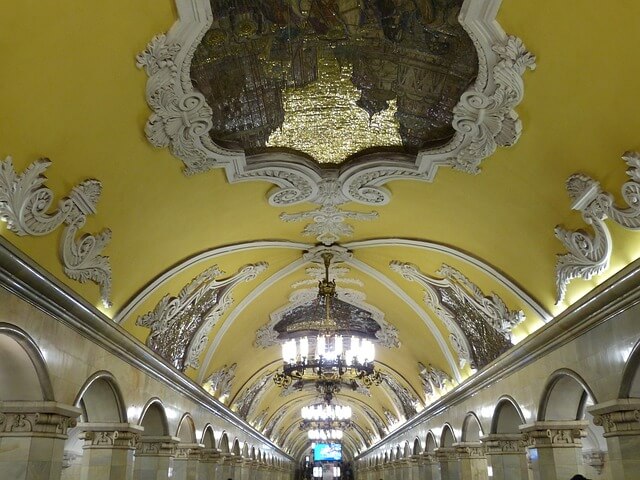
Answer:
[(209, 270), (332, 78)]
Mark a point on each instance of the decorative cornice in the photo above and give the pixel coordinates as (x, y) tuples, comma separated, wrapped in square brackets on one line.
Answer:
[(467, 450), (460, 304), (44, 419), (110, 435), (618, 417), (589, 254), (25, 204), (483, 120), (180, 325), (554, 434), (161, 446), (504, 444)]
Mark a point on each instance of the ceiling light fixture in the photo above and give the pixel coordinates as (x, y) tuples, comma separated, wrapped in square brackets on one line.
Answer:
[(329, 358)]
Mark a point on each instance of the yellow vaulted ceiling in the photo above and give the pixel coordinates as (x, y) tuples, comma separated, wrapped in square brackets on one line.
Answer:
[(70, 91)]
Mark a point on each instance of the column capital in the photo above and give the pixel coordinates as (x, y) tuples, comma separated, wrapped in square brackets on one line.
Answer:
[(43, 419), (110, 435), (444, 454), (554, 434), (158, 446), (210, 455), (469, 450), (503, 444), (618, 417), (188, 450)]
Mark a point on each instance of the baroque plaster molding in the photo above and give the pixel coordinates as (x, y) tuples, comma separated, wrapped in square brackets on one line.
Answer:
[(460, 304), (404, 400), (589, 254), (247, 402), (433, 380), (25, 204), (180, 325), (483, 120), (219, 383)]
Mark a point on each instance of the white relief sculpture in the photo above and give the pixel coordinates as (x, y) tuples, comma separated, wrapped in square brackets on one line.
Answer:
[(589, 254), (405, 401), (219, 383), (483, 120), (249, 399), (329, 222), (180, 325), (466, 311), (25, 204), (434, 380)]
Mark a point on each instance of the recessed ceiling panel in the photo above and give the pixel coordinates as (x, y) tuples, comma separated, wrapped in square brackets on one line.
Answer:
[(331, 78)]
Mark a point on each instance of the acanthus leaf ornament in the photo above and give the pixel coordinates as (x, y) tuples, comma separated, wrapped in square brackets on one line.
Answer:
[(589, 253), (25, 204)]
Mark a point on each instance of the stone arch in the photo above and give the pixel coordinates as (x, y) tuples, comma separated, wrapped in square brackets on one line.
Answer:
[(154, 419), (399, 452), (507, 416), (224, 443), (236, 450), (417, 447), (100, 399), (471, 428), (245, 450), (564, 397), (447, 438), (407, 450), (430, 442), (208, 437), (23, 370), (186, 431), (252, 453), (630, 385)]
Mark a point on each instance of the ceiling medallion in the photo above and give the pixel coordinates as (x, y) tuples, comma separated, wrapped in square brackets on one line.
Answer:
[(325, 351), (426, 87)]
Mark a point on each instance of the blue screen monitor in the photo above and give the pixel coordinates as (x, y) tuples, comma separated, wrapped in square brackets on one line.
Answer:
[(327, 452)]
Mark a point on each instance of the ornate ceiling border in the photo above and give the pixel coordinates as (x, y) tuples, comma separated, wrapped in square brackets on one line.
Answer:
[(483, 119)]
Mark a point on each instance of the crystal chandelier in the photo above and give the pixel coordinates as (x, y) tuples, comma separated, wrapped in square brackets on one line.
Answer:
[(325, 421), (328, 358), (325, 435), (326, 412)]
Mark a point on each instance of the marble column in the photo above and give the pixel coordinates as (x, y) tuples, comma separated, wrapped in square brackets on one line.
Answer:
[(414, 473), (154, 458), (225, 468), (448, 461), (209, 468), (472, 462), (108, 450), (186, 461), (555, 448), (32, 436), (621, 422), (429, 467), (506, 455)]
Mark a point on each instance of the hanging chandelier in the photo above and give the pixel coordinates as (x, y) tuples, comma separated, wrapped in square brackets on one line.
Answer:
[(325, 421), (328, 358)]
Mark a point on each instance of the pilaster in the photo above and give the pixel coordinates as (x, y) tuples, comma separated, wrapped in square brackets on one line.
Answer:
[(108, 450), (621, 422), (186, 461), (448, 460), (32, 436), (472, 462), (506, 454), (555, 448), (154, 457)]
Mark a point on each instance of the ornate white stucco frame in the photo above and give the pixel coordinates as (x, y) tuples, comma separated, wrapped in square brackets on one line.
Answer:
[(483, 119)]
